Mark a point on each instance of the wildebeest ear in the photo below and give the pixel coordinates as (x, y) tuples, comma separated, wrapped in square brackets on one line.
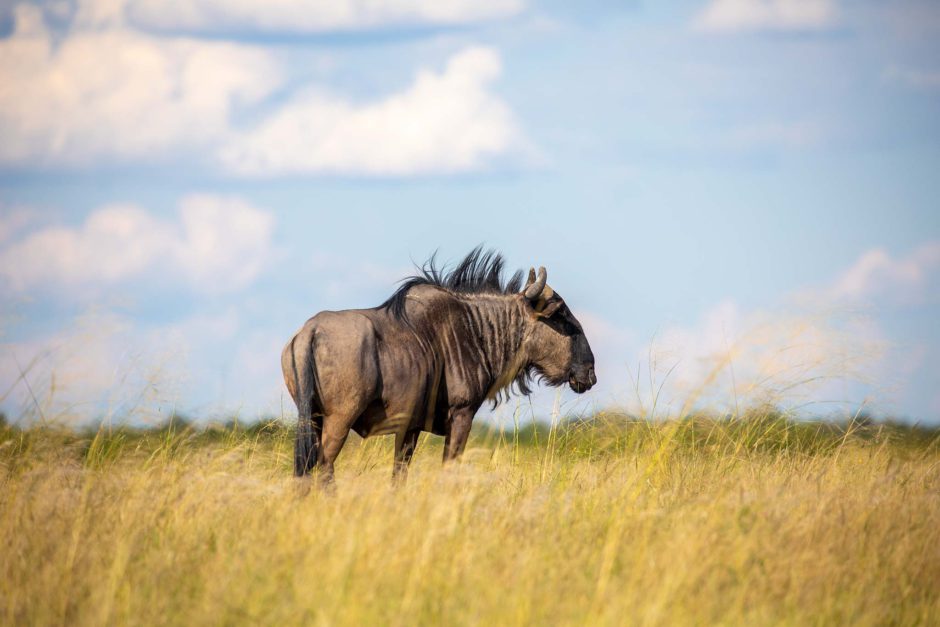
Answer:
[(549, 309)]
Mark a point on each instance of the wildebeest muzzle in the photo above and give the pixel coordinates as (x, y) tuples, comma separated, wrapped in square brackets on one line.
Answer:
[(582, 378)]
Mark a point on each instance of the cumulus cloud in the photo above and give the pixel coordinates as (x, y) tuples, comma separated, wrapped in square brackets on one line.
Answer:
[(444, 122), (217, 244), (105, 364), (878, 275), (821, 346), (735, 358), (767, 15), (107, 93), (112, 94), (102, 365), (313, 17)]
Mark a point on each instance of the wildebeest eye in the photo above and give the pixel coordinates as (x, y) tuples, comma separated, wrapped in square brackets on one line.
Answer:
[(563, 322)]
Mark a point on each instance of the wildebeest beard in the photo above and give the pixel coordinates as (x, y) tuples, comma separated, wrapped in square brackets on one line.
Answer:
[(534, 373)]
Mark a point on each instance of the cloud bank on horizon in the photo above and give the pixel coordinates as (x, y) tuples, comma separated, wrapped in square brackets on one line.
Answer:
[(182, 183), (802, 352)]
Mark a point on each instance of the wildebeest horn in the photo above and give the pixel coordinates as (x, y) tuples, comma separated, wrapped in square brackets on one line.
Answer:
[(534, 290), (530, 280)]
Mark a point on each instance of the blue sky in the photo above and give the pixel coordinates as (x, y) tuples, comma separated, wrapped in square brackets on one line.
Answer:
[(739, 193)]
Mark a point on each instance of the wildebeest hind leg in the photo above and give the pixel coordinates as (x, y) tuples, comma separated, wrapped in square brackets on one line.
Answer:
[(307, 444), (335, 431)]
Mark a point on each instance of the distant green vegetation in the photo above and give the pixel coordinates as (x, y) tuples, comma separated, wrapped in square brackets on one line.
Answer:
[(763, 431)]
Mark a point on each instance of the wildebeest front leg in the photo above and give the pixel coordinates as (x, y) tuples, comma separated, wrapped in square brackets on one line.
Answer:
[(405, 444), (456, 439)]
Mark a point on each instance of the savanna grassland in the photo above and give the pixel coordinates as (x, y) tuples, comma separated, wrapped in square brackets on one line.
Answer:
[(756, 520)]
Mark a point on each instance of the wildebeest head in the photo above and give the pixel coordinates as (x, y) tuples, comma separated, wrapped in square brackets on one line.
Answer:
[(557, 347)]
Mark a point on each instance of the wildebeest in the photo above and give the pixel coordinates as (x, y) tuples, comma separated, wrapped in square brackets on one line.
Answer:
[(427, 358)]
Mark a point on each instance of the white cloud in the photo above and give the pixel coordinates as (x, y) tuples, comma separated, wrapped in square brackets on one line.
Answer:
[(107, 93), (226, 241), (816, 348), (100, 366), (113, 94), (444, 122), (218, 244), (767, 15), (733, 358), (313, 17), (897, 280), (106, 364)]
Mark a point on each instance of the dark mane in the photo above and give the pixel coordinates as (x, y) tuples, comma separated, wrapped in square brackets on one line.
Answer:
[(478, 273)]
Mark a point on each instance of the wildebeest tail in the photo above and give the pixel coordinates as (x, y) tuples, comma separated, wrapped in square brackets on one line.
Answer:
[(304, 371)]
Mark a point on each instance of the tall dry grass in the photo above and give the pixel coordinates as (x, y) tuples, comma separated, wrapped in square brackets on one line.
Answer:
[(614, 521)]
